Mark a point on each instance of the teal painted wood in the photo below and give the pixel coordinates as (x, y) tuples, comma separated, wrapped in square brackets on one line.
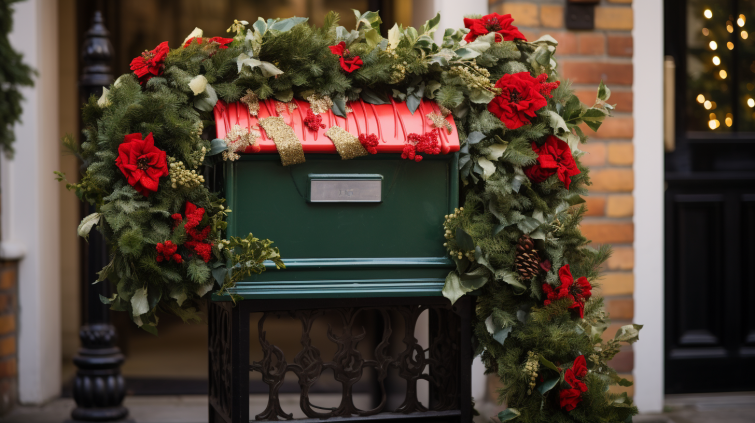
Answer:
[(387, 249)]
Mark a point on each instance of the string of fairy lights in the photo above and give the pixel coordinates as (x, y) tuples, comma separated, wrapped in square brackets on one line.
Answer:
[(713, 122)]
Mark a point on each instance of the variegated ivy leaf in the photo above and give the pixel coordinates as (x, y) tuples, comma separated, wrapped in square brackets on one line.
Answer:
[(482, 43), (87, 224), (394, 37), (429, 27), (267, 68), (508, 414), (556, 122), (547, 40), (499, 333), (196, 33), (368, 19), (495, 151), (203, 289), (139, 303), (179, 295), (628, 333), (488, 167), (453, 289), (509, 277)]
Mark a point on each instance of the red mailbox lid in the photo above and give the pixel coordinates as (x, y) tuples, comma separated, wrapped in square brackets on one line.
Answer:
[(392, 123)]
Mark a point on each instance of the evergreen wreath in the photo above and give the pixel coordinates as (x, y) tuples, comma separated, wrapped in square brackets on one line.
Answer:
[(516, 241)]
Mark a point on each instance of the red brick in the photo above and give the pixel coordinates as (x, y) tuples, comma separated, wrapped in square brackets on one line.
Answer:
[(592, 44), (7, 346), (612, 180), (552, 16), (622, 99), (7, 324), (620, 206), (524, 13), (612, 127), (621, 153), (567, 43), (616, 283), (608, 233), (620, 308), (584, 72), (623, 362), (8, 279), (621, 259), (596, 205), (529, 34), (8, 368), (620, 18), (620, 45), (595, 154)]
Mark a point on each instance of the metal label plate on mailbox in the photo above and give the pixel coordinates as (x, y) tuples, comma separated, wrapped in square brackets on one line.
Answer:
[(347, 188)]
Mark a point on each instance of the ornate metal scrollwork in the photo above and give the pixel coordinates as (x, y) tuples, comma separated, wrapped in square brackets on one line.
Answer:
[(221, 370), (441, 358)]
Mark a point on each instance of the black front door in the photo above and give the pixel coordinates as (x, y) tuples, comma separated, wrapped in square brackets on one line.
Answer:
[(710, 198)]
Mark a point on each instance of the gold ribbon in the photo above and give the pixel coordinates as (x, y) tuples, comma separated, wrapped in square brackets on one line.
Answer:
[(348, 145), (439, 121), (252, 102), (289, 147)]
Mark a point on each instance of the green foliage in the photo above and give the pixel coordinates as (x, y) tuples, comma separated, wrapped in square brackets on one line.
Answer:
[(514, 330), (14, 73)]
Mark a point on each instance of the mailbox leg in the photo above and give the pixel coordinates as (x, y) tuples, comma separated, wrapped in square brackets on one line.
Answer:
[(465, 356)]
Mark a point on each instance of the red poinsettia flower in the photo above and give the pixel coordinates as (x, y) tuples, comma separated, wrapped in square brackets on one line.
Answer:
[(571, 397), (554, 156), (578, 292), (167, 251), (150, 63), (349, 63), (141, 162), (198, 242), (500, 24), (520, 98), (222, 43)]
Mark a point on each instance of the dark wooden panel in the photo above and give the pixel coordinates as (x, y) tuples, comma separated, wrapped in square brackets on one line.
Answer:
[(699, 225), (748, 276)]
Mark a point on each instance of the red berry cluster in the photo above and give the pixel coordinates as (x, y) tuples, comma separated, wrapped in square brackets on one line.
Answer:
[(313, 121), (415, 144), (197, 243), (369, 142), (167, 251), (547, 87)]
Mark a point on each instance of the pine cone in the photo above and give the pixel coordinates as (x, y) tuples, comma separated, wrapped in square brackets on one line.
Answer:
[(527, 260)]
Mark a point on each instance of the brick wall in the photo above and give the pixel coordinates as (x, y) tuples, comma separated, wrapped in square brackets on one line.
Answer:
[(8, 308), (586, 58)]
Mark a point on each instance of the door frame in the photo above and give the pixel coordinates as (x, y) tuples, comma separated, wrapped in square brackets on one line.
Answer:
[(648, 210)]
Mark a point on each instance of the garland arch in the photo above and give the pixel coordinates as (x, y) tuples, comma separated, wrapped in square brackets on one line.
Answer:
[(516, 240)]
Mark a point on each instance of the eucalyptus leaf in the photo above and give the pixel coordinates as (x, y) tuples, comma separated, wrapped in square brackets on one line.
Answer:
[(370, 96), (412, 102), (284, 25), (488, 167), (556, 122), (475, 137), (220, 274), (466, 53), (453, 289), (206, 104), (204, 289), (106, 300), (628, 333), (339, 106), (260, 26), (178, 294), (509, 277), (508, 414), (217, 146)]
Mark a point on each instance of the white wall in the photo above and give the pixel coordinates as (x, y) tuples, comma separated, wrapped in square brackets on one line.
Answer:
[(30, 205), (452, 13), (648, 195)]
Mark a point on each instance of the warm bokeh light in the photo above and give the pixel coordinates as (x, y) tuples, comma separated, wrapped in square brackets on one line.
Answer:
[(729, 27), (700, 98), (751, 102), (744, 35), (730, 45), (707, 105), (741, 20), (722, 73), (713, 124), (713, 45), (708, 14), (729, 121), (706, 31), (716, 60), (750, 86), (712, 116)]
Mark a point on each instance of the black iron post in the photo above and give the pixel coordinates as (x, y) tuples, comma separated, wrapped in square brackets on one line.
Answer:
[(99, 387)]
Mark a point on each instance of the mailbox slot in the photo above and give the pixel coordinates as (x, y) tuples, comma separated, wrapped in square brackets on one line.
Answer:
[(345, 188)]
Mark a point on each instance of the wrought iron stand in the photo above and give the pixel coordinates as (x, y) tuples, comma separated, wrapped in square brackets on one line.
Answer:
[(98, 388), (448, 358)]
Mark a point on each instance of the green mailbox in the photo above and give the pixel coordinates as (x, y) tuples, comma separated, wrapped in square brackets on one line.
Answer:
[(356, 233)]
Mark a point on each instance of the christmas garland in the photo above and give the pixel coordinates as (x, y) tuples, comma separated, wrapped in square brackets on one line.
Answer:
[(516, 241)]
